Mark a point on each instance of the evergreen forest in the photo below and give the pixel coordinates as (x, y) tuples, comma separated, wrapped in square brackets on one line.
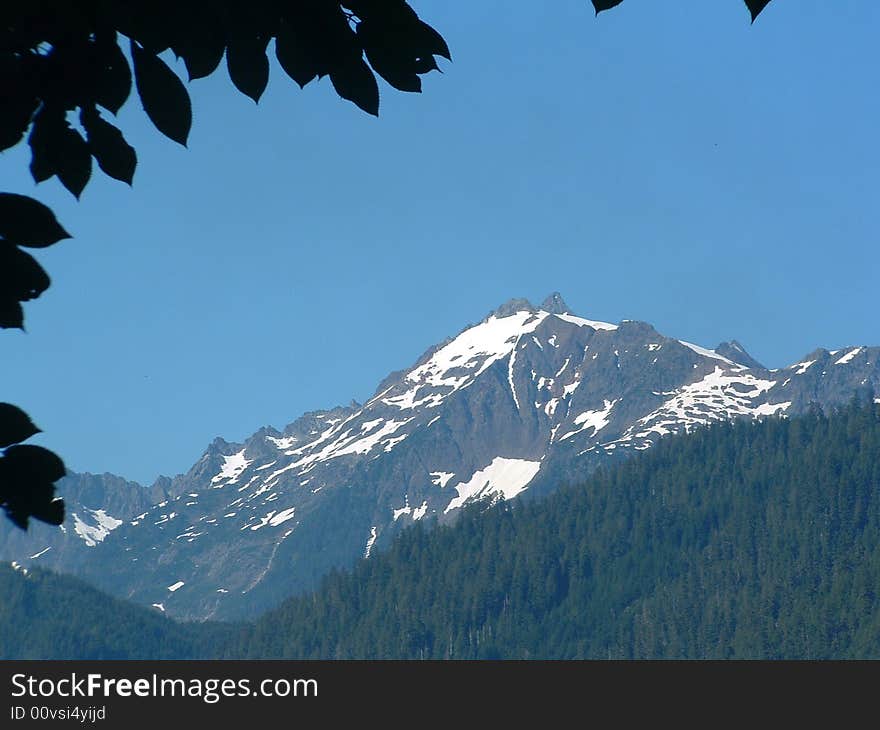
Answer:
[(744, 540)]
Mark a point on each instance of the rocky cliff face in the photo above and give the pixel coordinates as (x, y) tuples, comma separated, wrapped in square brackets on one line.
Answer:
[(95, 505)]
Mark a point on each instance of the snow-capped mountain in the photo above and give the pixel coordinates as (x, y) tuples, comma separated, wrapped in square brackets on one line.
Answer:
[(528, 397)]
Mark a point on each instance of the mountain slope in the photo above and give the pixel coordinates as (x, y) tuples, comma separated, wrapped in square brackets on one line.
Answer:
[(527, 398), (49, 616), (95, 505), (746, 540)]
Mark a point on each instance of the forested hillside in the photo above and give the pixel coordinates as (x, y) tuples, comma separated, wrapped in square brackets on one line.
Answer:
[(48, 616), (743, 540)]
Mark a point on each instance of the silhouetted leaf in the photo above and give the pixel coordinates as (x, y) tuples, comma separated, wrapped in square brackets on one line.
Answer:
[(113, 76), (59, 150), (43, 142), (389, 53), (75, 166), (202, 60), (23, 495), (114, 155), (15, 425), (432, 42), (19, 518), (756, 6), (425, 64), (601, 5), (21, 277), (27, 489), (51, 513), (200, 42), (355, 82), (15, 120), (151, 23), (26, 463), (164, 97), (247, 64), (19, 101), (11, 313), (27, 222), (293, 55)]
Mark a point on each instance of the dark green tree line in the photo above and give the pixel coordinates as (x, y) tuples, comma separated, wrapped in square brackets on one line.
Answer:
[(744, 540), (48, 616)]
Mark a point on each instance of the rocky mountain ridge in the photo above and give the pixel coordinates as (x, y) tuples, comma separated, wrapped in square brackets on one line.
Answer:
[(528, 397)]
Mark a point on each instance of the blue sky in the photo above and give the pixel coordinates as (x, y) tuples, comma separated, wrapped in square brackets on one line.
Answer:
[(666, 162)]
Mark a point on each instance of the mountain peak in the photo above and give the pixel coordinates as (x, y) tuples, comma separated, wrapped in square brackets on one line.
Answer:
[(525, 400), (512, 306), (734, 351), (555, 304)]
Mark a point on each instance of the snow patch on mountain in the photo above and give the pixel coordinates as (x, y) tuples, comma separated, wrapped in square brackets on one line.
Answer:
[(510, 366), (348, 443), (396, 514), (420, 511), (567, 390), (801, 367), (581, 322), (232, 469), (441, 478), (371, 540), (596, 420), (469, 355), (772, 409), (282, 516), (504, 477), (719, 395), (416, 513), (392, 442), (272, 519), (849, 356), (550, 407), (94, 533)]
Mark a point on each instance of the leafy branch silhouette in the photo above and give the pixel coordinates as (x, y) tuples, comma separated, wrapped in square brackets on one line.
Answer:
[(63, 61)]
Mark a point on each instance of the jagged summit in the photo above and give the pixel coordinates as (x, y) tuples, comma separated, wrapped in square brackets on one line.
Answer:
[(734, 351), (512, 306), (555, 304)]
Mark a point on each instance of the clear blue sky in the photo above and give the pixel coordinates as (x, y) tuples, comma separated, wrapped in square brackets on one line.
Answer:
[(665, 162)]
